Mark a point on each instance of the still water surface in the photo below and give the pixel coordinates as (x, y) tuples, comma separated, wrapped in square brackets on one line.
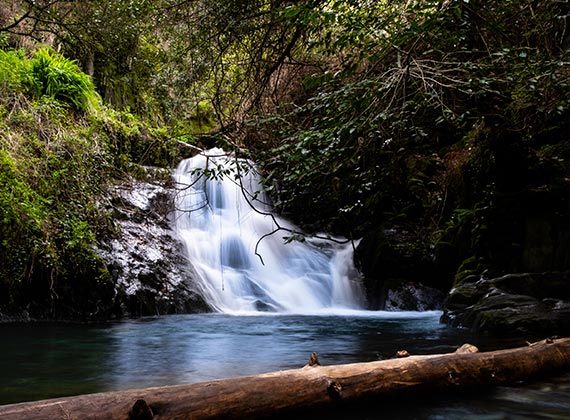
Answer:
[(45, 360)]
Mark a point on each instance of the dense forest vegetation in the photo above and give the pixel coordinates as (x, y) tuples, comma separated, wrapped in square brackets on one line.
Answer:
[(437, 131)]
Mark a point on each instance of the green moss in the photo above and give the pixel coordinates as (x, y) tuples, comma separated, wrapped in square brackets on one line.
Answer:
[(490, 320), (468, 266), (52, 171), (462, 296)]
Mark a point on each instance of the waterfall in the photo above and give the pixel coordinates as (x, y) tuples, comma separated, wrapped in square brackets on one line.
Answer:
[(225, 222)]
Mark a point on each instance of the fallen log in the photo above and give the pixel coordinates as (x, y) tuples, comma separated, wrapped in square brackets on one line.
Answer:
[(313, 386)]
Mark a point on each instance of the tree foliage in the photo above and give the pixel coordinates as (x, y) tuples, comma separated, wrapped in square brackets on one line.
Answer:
[(409, 91)]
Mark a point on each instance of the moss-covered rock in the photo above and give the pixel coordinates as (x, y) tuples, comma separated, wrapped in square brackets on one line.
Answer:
[(529, 303)]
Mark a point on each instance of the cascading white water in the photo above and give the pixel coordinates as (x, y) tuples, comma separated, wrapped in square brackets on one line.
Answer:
[(223, 220)]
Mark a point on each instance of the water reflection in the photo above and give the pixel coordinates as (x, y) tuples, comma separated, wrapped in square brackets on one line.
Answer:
[(208, 347), (48, 360)]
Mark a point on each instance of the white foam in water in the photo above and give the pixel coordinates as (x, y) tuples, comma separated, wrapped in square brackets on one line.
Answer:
[(221, 230)]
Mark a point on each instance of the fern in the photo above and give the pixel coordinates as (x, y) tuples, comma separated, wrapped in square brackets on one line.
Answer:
[(52, 75)]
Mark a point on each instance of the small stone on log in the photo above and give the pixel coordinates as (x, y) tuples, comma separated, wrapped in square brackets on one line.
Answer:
[(402, 353), (314, 360), (467, 348)]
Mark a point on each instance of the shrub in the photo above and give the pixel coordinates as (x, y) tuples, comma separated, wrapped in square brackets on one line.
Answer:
[(11, 65), (52, 75)]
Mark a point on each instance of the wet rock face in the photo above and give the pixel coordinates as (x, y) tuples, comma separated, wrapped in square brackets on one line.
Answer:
[(529, 303), (146, 260), (413, 297), (398, 272)]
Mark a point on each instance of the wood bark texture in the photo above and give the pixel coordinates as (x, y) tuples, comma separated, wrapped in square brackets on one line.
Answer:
[(311, 387)]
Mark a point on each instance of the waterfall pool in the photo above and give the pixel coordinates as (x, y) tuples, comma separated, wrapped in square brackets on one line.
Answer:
[(43, 360)]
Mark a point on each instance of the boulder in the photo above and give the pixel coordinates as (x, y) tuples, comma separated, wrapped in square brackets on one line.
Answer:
[(146, 260), (409, 296), (521, 303)]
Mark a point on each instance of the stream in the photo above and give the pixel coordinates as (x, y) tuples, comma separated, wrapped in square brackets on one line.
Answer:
[(45, 360), (275, 304)]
